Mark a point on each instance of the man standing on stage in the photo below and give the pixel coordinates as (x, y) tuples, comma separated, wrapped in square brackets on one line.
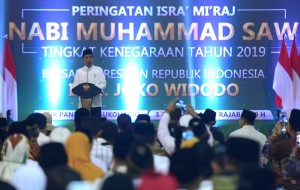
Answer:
[(91, 74)]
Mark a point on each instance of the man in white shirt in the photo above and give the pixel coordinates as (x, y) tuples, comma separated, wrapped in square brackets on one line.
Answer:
[(91, 74), (247, 129), (163, 133)]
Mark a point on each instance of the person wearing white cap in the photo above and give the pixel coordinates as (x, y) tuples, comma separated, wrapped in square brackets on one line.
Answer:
[(60, 134)]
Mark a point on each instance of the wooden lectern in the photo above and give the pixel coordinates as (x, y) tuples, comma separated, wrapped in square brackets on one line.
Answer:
[(86, 92)]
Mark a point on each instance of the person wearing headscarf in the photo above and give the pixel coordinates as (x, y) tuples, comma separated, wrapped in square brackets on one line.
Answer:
[(15, 155), (78, 147)]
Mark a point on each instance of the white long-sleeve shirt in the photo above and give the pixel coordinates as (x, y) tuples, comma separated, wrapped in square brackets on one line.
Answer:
[(249, 132), (165, 137), (93, 75), (163, 134)]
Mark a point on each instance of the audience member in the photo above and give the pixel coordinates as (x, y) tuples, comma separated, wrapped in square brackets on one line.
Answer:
[(88, 132), (145, 133), (124, 122), (109, 131), (284, 152), (41, 122), (8, 118), (253, 178), (185, 166), (118, 181), (15, 155), (239, 153), (6, 186), (199, 129), (151, 180), (58, 178), (247, 129), (60, 134), (138, 161), (3, 132), (209, 118), (29, 177), (53, 160), (242, 151), (32, 125), (163, 134), (121, 147), (174, 121), (103, 134), (49, 125), (143, 118), (80, 185), (18, 128), (205, 152), (52, 155), (78, 115), (218, 162), (78, 148), (125, 153)]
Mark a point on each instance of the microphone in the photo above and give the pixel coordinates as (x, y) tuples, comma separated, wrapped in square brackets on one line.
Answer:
[(87, 74)]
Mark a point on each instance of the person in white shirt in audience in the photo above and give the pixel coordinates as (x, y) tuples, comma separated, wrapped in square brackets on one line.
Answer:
[(163, 133), (247, 129)]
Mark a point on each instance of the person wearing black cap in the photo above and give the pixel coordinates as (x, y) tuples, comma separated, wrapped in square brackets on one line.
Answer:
[(143, 118), (145, 133), (209, 118), (247, 129), (91, 74)]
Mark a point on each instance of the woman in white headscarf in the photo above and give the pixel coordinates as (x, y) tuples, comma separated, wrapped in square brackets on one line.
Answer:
[(16, 152)]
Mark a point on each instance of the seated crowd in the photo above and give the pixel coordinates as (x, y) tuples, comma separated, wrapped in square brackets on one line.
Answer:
[(184, 152)]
